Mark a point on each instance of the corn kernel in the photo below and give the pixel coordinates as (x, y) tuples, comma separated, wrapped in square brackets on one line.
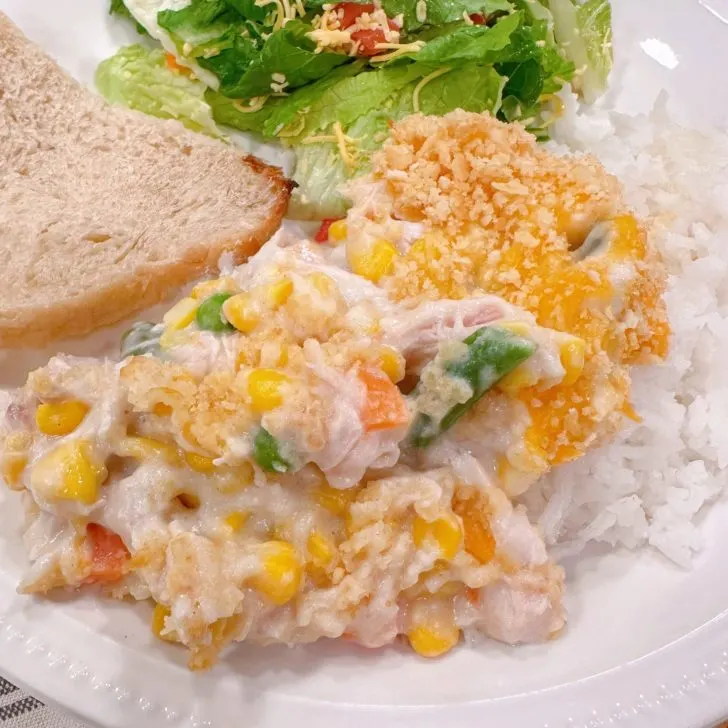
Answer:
[(60, 418), (374, 263), (265, 389), (392, 363), (240, 311), (320, 548), (519, 328), (236, 520), (276, 294), (200, 463), (433, 638), (162, 410), (324, 284), (145, 448), (12, 467), (181, 315), (235, 480), (221, 632), (171, 338), (445, 532), (79, 477), (479, 540), (514, 482), (334, 500), (205, 289), (159, 618), (520, 378), (338, 231), (280, 576), (573, 353), (14, 457)]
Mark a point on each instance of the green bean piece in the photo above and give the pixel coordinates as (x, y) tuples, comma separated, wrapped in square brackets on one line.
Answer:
[(267, 453), (492, 353), (210, 317), (142, 338)]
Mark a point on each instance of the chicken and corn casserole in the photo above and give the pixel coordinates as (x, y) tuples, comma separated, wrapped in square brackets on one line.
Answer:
[(329, 440)]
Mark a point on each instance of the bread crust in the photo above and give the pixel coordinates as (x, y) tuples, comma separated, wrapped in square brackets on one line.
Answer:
[(149, 282), (107, 306)]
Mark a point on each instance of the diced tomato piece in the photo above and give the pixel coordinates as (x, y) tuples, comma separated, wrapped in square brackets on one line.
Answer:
[(478, 19), (384, 407), (109, 556), (322, 235), (352, 11), (368, 40)]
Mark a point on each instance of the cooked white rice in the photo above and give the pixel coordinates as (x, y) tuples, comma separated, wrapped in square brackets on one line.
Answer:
[(649, 485)]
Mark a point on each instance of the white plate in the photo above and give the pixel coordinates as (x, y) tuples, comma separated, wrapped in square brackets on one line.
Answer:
[(647, 643)]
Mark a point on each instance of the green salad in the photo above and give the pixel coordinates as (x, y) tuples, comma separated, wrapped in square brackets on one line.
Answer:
[(327, 80)]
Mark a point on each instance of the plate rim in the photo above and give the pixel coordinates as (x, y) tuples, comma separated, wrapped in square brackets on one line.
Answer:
[(684, 682), (686, 679)]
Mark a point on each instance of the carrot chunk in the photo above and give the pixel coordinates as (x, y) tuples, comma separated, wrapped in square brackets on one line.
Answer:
[(384, 407), (109, 555), (173, 65)]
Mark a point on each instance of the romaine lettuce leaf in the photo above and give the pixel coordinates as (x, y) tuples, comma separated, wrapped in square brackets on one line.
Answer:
[(523, 88), (200, 23), (470, 43), (248, 9), (343, 96), (537, 11), (320, 170), (585, 34), (470, 87), (117, 7), (234, 51), (358, 96), (216, 36), (595, 27), (304, 102), (139, 78), (226, 111), (320, 173), (280, 111), (535, 69), (440, 12), (291, 54), (234, 40), (508, 68)]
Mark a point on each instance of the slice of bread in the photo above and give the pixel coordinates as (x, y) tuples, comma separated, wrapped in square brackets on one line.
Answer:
[(105, 211)]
